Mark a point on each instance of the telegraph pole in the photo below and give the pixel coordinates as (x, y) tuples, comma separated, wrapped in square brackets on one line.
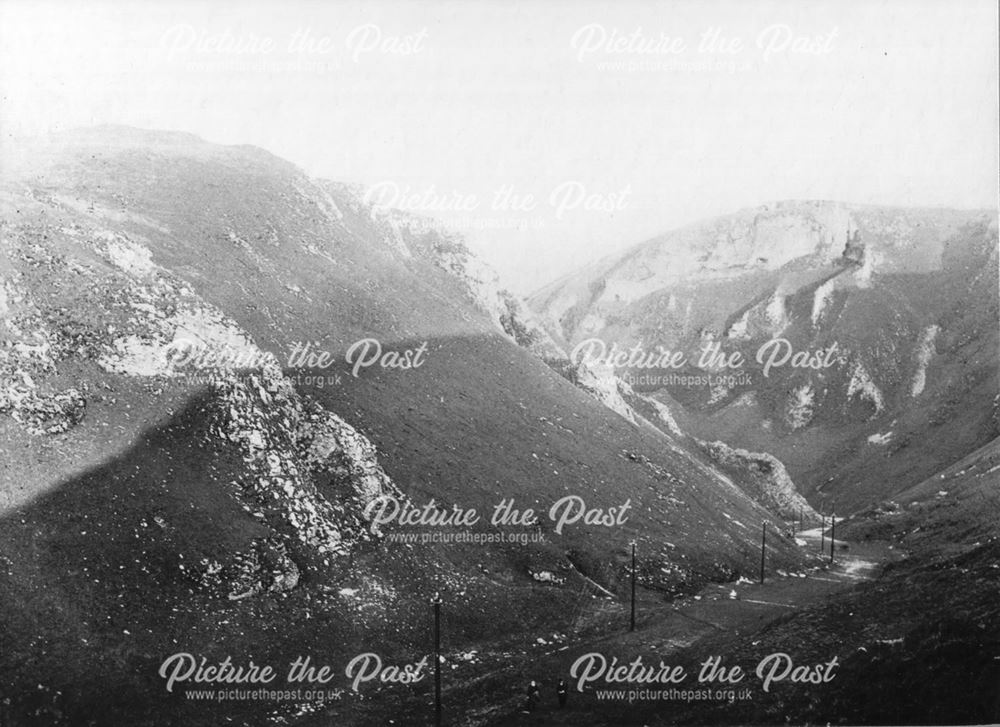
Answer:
[(632, 620), (833, 527), (436, 600), (763, 544)]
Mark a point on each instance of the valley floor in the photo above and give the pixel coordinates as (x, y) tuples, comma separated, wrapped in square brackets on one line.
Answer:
[(916, 633), (490, 688), (691, 629)]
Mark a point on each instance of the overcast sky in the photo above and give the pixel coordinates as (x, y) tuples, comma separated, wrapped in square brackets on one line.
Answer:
[(606, 123)]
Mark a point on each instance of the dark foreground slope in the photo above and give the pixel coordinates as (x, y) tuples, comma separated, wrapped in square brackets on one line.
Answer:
[(153, 505), (921, 643), (909, 609)]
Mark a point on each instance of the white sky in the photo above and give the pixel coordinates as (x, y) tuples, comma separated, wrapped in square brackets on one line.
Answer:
[(899, 107)]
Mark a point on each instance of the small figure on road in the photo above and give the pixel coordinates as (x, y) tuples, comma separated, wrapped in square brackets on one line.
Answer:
[(562, 692), (533, 695)]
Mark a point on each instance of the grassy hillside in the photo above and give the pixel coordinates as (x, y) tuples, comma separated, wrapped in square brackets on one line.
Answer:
[(151, 508)]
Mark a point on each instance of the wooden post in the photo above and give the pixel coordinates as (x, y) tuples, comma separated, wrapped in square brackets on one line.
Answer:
[(437, 659), (763, 544), (631, 626), (833, 528), (822, 533)]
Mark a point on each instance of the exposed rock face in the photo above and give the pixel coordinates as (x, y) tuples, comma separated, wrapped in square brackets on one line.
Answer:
[(862, 387), (504, 308), (604, 386), (854, 251), (925, 352), (763, 239), (908, 297), (764, 478), (31, 346), (42, 413), (307, 473), (800, 409), (306, 466), (267, 566)]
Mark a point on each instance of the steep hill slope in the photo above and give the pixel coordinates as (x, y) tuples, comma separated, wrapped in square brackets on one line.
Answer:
[(192, 437), (868, 336)]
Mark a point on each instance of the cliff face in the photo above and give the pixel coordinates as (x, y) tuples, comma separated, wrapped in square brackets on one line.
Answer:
[(765, 478), (794, 243), (862, 332)]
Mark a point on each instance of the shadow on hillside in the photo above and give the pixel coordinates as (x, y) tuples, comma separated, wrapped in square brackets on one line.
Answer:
[(99, 583), (100, 576)]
